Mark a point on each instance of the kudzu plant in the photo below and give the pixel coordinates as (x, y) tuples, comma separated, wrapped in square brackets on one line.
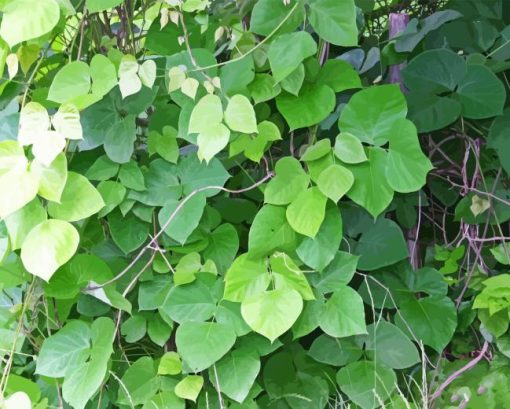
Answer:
[(254, 204)]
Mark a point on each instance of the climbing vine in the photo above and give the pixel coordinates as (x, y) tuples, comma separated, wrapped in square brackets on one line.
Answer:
[(254, 204)]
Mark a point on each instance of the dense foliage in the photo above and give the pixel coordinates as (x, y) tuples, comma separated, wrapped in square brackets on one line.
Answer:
[(282, 204)]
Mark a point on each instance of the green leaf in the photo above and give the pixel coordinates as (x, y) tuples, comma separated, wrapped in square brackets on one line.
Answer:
[(134, 328), (334, 351), (95, 6), (306, 213), (263, 87), (338, 273), (339, 75), (223, 246), (190, 302), (170, 364), (165, 400), (236, 373), (129, 232), (21, 222), (64, 350), (270, 231), (497, 139), (371, 189), (207, 112), (240, 116), (287, 51), (201, 344), (24, 20), (293, 82), (273, 312), (390, 346), (140, 383), (52, 179), (72, 81), (481, 93), (370, 113), (343, 314), (407, 166), (349, 149), (335, 181), (335, 21), (118, 143), (289, 181), (185, 220), (79, 200), (267, 15), (165, 145), (311, 107), (434, 71), (245, 277), (433, 320), (48, 246), (320, 251), (113, 194), (103, 169), (381, 245), (366, 383), (194, 175), (131, 176), (212, 141), (189, 387), (84, 380)]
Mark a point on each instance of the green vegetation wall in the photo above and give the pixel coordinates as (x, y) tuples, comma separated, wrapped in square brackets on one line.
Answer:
[(254, 204)]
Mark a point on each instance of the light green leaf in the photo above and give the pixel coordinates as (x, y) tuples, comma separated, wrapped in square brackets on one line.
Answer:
[(370, 113), (189, 387), (21, 222), (79, 200), (147, 73), (236, 373), (272, 312), (317, 150), (240, 115), (24, 20), (48, 146), (212, 141), (201, 344), (335, 21), (48, 246), (287, 51), (349, 149), (12, 158), (65, 350), (381, 244), (67, 122), (72, 81), (18, 189), (287, 275), (245, 277), (292, 83), (306, 213), (207, 112), (390, 346), (310, 107), (170, 364), (339, 75), (129, 81), (18, 400), (270, 231), (343, 314), (289, 181), (367, 383), (103, 73), (94, 6), (371, 189), (407, 166), (335, 181)]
